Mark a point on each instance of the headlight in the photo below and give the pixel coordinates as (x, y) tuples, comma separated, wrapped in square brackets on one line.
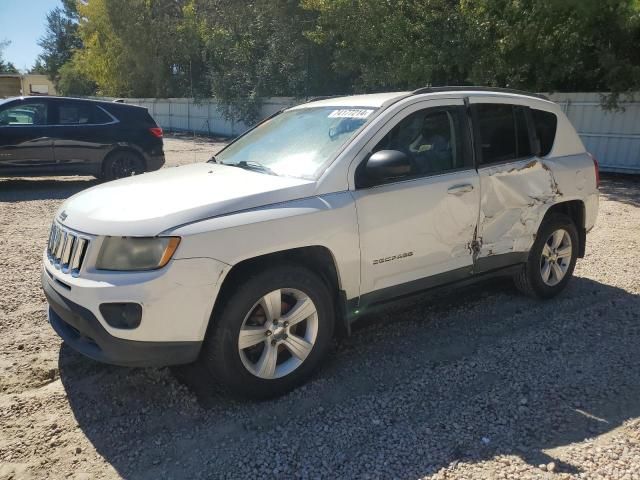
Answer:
[(136, 253)]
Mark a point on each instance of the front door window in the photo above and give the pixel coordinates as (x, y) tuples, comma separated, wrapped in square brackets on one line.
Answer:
[(30, 113)]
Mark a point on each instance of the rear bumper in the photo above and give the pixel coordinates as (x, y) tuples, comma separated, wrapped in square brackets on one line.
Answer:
[(154, 162), (82, 331)]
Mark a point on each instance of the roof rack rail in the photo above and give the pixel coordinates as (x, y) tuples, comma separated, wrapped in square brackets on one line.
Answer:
[(324, 97), (480, 89)]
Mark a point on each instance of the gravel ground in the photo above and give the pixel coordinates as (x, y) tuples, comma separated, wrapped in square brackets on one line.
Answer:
[(477, 384)]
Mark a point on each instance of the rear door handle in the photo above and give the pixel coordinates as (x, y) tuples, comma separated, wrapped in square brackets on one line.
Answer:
[(460, 189)]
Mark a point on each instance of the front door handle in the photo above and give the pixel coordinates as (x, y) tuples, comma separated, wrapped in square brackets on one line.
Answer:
[(460, 189)]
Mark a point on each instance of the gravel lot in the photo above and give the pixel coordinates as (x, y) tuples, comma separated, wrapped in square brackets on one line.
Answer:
[(482, 383)]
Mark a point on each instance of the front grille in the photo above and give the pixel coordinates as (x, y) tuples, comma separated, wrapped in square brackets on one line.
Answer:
[(66, 250)]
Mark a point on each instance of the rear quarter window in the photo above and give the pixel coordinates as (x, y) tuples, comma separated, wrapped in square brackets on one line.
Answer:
[(545, 124), (132, 115), (100, 116)]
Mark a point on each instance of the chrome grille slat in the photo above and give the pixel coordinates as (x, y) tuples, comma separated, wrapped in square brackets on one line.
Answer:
[(62, 237), (78, 254), (71, 255), (55, 231), (66, 249), (66, 253), (51, 237)]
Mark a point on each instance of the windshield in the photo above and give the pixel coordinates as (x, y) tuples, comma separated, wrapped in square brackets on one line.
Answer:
[(296, 143)]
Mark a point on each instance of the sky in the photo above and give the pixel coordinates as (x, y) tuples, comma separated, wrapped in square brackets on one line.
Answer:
[(23, 23)]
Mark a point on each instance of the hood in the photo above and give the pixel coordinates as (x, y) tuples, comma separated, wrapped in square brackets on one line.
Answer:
[(149, 204)]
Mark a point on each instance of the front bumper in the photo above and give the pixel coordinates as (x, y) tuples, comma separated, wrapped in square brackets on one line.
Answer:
[(82, 331), (176, 304)]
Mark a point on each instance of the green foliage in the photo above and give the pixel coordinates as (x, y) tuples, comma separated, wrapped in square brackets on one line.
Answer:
[(546, 45), (6, 67), (242, 51), (258, 49), (538, 45), (60, 40), (74, 82), (385, 45), (139, 47), (38, 68)]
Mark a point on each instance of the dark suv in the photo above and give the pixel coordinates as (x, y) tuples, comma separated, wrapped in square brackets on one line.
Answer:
[(69, 136)]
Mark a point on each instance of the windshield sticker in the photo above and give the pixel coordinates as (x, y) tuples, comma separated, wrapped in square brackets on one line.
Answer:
[(350, 113)]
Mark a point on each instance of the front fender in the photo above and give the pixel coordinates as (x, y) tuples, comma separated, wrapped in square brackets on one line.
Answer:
[(329, 221)]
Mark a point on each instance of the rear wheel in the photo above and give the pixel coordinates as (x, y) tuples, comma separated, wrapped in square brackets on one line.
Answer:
[(121, 164), (551, 259), (270, 334)]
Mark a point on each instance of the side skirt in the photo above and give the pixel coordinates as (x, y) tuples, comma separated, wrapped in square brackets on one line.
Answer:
[(485, 268)]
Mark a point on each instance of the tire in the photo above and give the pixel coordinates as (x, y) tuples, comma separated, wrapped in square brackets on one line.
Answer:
[(246, 371), (121, 164), (549, 266)]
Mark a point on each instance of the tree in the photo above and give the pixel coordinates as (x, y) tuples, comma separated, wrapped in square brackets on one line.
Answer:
[(61, 38), (38, 68), (546, 45), (240, 52), (404, 44), (73, 81), (140, 48), (6, 67), (531, 44), (258, 49)]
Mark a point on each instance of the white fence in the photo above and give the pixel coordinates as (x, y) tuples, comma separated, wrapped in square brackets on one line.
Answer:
[(202, 116), (612, 136)]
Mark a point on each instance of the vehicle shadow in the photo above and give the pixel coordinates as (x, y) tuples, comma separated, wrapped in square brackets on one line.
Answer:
[(38, 188), (422, 385)]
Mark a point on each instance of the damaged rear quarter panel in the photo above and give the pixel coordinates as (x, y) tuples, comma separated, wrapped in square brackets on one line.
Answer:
[(516, 196)]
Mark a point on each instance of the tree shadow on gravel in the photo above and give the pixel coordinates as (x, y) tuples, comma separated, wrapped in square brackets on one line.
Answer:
[(621, 188), (27, 189), (422, 385)]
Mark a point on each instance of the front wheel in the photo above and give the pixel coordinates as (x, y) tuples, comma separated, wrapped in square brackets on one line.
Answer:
[(551, 259), (270, 334)]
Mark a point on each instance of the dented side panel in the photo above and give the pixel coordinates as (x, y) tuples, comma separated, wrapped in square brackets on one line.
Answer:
[(516, 196)]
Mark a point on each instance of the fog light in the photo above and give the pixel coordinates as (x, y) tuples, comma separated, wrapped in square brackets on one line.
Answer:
[(122, 315)]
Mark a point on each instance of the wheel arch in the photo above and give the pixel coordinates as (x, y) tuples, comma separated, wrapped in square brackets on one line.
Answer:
[(123, 148), (316, 258), (576, 210)]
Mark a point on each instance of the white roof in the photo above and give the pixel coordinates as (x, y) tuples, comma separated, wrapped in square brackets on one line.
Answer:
[(377, 100), (374, 100)]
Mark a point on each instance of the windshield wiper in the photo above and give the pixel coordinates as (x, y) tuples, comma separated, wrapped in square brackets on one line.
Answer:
[(250, 165)]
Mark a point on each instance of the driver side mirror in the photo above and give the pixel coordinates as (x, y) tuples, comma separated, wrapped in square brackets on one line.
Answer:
[(386, 165)]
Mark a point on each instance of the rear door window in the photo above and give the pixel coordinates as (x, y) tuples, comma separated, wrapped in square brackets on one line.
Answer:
[(80, 113), (74, 113), (502, 132), (545, 124)]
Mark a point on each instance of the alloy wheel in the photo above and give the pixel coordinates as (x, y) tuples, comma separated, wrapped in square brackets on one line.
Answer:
[(278, 333), (556, 257), (125, 166)]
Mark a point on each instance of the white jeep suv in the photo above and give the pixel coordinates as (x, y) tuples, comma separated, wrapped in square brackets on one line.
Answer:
[(249, 263)]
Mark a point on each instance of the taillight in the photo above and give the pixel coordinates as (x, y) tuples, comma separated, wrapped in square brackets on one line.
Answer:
[(156, 132), (597, 170)]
